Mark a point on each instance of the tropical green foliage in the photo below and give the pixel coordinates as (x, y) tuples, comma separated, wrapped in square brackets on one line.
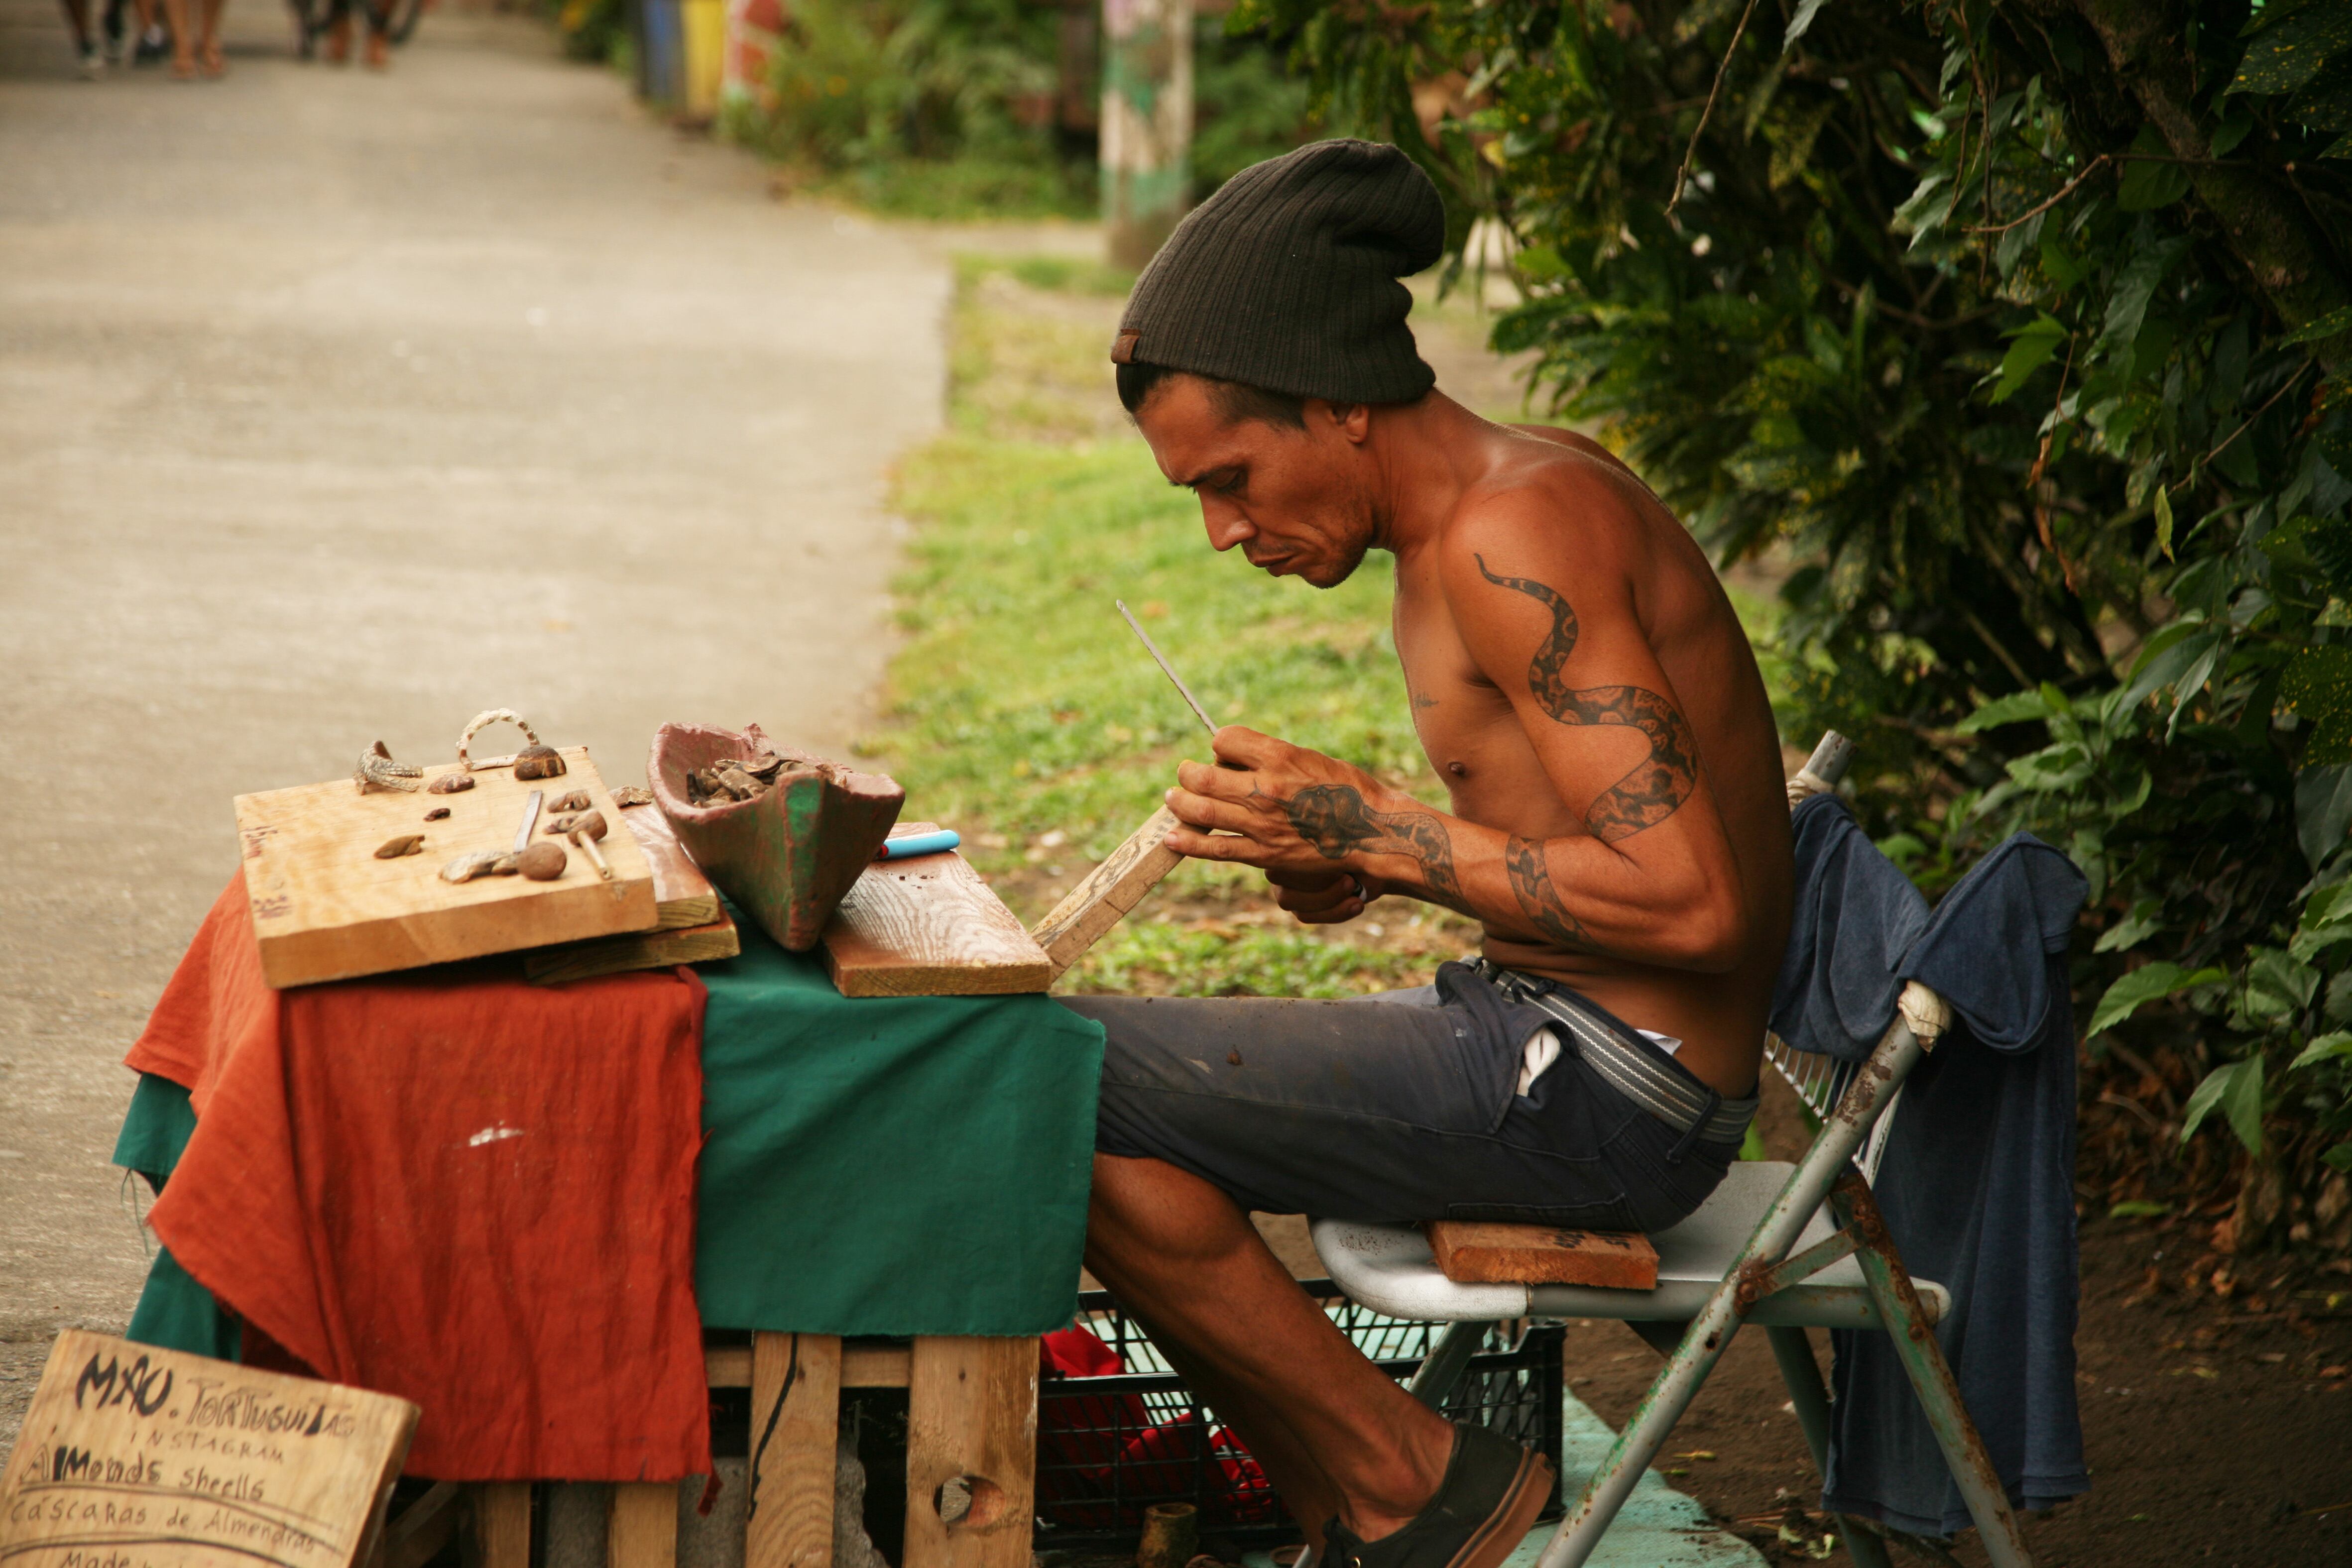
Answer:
[(953, 108), (2019, 330)]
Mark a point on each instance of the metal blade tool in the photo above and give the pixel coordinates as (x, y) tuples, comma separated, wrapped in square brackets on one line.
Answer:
[(1166, 668)]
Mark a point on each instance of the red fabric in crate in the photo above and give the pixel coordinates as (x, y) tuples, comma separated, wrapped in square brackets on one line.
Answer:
[(1084, 1437)]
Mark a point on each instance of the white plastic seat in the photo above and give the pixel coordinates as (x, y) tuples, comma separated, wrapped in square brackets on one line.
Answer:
[(1388, 1269)]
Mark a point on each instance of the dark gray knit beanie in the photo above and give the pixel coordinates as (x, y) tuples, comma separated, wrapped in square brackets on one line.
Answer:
[(1286, 278)]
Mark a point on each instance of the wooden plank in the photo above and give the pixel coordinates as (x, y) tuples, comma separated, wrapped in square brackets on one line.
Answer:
[(875, 1366), (152, 1458), (641, 1529), (927, 926), (683, 896), (502, 1524), (324, 909), (795, 1429), (1475, 1251), (727, 1366), (1108, 891), (423, 1528), (637, 950), (971, 1419)]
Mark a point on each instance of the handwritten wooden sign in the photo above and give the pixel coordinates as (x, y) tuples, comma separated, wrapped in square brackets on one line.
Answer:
[(132, 1456)]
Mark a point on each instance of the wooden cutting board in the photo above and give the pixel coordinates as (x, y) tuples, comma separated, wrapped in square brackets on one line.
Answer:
[(927, 926), (324, 909)]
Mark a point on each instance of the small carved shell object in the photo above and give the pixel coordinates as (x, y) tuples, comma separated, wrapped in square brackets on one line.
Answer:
[(436, 814), (405, 844), (482, 721), (576, 801), (539, 762), (467, 867), (592, 823), (450, 784), (377, 771), (629, 795), (543, 861)]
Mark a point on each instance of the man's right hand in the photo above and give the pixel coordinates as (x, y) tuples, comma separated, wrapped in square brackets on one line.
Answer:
[(1322, 898)]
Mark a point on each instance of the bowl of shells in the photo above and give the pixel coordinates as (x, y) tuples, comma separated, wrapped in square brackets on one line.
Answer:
[(782, 833)]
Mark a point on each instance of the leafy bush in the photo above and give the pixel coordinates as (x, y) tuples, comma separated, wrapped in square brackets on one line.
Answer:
[(593, 29), (2021, 331), (945, 108)]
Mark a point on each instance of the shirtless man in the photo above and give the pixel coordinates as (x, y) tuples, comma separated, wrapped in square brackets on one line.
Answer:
[(1617, 826)]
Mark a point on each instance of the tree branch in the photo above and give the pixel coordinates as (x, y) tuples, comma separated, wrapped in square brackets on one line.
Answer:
[(1723, 69)]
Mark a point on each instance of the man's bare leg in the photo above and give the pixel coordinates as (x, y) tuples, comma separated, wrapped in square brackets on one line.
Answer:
[(1322, 1418)]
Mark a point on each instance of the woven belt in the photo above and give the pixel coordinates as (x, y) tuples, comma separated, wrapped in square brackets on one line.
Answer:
[(1680, 1102)]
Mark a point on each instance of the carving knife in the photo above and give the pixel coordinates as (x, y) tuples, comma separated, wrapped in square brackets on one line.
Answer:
[(1166, 668)]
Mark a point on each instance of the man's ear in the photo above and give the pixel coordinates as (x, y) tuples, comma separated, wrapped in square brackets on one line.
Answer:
[(1351, 420)]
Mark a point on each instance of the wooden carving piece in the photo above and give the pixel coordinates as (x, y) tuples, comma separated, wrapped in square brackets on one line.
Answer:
[(1108, 891)]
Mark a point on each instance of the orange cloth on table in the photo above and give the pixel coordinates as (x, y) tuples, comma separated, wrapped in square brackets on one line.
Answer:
[(451, 1186)]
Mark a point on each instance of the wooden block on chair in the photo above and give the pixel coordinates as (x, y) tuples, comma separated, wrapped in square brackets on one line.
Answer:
[(972, 1420), (1482, 1252), (641, 1531), (795, 1427)]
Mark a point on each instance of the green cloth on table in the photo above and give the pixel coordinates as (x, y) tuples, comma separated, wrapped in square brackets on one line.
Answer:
[(173, 1310), (889, 1164), (882, 1166)]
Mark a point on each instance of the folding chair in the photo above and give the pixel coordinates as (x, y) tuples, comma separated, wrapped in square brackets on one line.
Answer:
[(1760, 1251)]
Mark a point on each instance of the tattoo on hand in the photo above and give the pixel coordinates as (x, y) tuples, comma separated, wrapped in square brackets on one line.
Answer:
[(1651, 792), (1335, 819), (1539, 900)]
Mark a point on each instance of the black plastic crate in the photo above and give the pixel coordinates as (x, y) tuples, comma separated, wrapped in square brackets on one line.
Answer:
[(1109, 1446)]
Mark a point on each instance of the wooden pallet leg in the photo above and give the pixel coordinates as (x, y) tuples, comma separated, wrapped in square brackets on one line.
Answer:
[(502, 1524), (641, 1531), (972, 1420), (795, 1427)]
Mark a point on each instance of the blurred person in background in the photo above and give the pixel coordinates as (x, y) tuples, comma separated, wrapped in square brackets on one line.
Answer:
[(194, 50), (338, 48), (154, 43)]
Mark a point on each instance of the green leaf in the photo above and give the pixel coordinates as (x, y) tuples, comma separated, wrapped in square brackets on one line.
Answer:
[(2279, 986), (1806, 11), (2127, 305), (2138, 1208), (2323, 810), (2018, 707), (2317, 689), (2237, 1090), (2143, 920), (2285, 56), (2152, 179), (2328, 326), (2164, 520), (2036, 343), (2327, 1048), (2341, 1156), (2145, 984)]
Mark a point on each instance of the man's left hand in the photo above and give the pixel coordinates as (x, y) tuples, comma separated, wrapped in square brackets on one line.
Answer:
[(1240, 811)]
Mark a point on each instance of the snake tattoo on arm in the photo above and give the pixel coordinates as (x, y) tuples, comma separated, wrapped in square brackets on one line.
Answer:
[(1654, 791), (1539, 900), (1336, 821)]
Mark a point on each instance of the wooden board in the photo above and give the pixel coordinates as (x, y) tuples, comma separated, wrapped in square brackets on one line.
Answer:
[(1476, 1252), (972, 1414), (131, 1457), (927, 926), (324, 909), (637, 950), (1108, 891), (502, 1524), (641, 1525), (795, 1427), (683, 896)]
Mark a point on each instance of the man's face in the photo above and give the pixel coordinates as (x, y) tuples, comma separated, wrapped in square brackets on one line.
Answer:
[(1297, 502)]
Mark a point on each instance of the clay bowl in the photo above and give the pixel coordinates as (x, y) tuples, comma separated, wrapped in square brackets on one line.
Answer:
[(787, 857)]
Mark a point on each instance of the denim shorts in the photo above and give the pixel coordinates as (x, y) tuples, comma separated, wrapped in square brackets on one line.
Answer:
[(1400, 1107)]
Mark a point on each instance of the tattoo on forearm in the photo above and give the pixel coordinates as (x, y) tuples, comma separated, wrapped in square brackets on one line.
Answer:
[(1539, 900), (1651, 792), (1335, 819)]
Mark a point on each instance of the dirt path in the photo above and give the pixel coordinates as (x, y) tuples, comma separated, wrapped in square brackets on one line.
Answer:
[(337, 406)]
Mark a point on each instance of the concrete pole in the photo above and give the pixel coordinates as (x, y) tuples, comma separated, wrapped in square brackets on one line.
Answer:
[(1147, 123)]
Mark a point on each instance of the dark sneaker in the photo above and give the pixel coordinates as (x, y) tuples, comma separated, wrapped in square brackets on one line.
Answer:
[(1492, 1492), (154, 46)]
